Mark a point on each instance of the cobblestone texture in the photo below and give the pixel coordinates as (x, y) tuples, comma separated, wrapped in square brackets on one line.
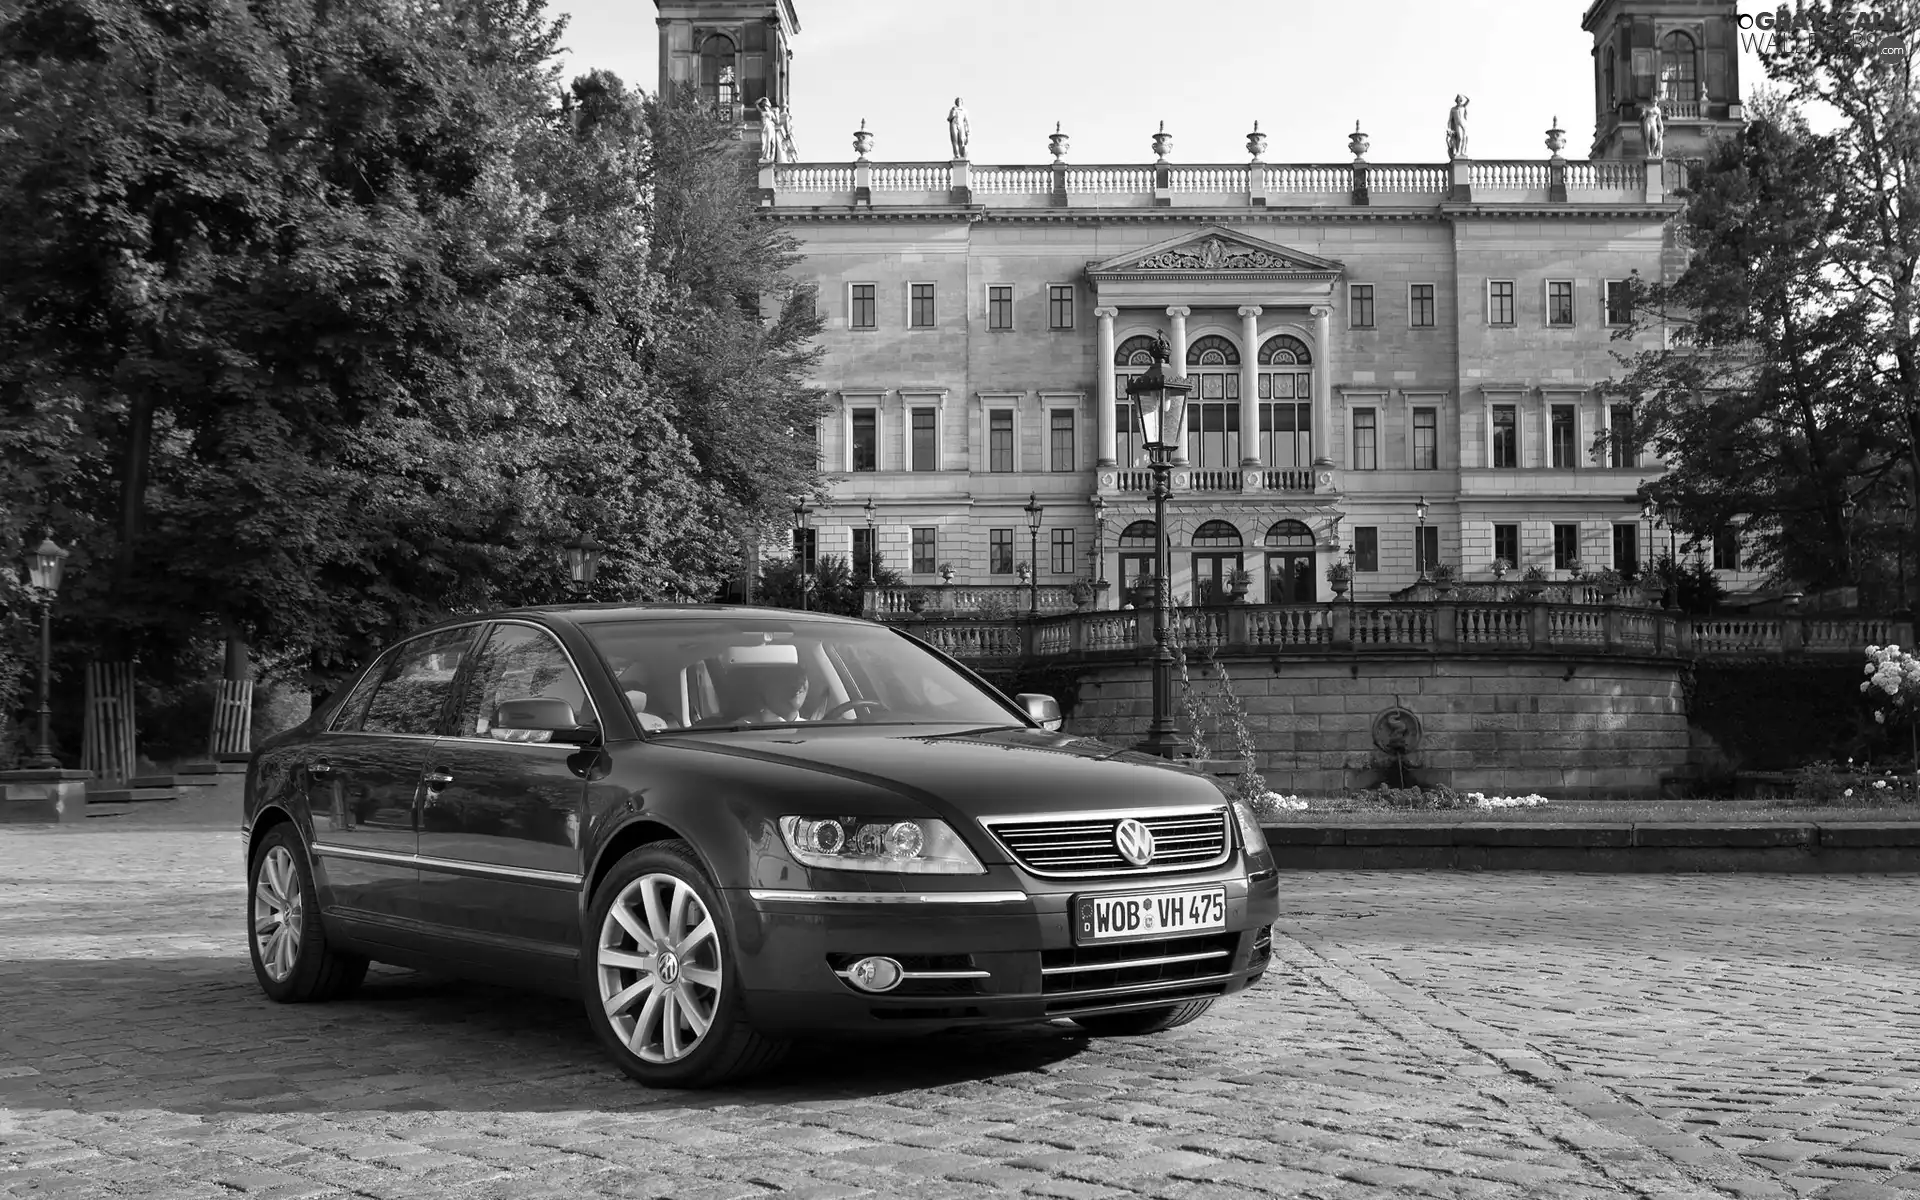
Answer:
[(1422, 1034)]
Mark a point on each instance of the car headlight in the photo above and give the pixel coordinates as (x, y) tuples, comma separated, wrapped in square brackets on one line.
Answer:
[(1251, 835), (913, 847)]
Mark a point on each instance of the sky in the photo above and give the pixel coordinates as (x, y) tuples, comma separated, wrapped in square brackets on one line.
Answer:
[(1109, 71)]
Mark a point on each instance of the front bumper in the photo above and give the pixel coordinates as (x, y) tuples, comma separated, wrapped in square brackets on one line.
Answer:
[(1011, 960)]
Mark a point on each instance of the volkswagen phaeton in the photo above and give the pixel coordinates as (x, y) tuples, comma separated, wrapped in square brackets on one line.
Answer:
[(723, 827)]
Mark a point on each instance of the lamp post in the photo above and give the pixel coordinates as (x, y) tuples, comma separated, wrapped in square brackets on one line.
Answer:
[(1099, 542), (1034, 511), (1846, 532), (1159, 405), (800, 510), (1420, 539), (1649, 515), (45, 565), (583, 562), (1903, 515), (870, 545)]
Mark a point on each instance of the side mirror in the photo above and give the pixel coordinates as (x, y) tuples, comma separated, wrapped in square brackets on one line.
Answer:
[(1043, 709), (545, 713)]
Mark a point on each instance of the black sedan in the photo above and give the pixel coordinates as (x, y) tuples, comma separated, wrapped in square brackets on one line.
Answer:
[(722, 827)]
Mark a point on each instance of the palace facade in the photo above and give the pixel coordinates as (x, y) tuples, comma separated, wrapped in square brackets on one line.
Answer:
[(1395, 365)]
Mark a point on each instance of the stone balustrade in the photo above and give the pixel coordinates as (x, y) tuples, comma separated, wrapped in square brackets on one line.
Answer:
[(1429, 627)]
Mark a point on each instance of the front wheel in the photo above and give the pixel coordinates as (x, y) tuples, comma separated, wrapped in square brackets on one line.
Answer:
[(1145, 1020), (662, 991), (291, 956)]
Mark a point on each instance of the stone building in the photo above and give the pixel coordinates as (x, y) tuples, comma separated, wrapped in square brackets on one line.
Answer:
[(1409, 363)]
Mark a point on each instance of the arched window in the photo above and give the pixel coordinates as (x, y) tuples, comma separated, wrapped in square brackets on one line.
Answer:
[(1213, 406), (1679, 68), (1132, 358), (1286, 402), (1217, 533), (1139, 535), (1213, 351), (1289, 535), (717, 81), (1136, 351)]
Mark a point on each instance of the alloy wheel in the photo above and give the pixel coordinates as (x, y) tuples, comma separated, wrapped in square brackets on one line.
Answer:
[(279, 913), (658, 964)]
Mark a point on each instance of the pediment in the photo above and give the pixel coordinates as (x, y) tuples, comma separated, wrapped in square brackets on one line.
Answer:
[(1216, 250)]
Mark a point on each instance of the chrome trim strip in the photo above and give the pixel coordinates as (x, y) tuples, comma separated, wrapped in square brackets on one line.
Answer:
[(1071, 999), (1221, 813), (421, 862), (1124, 964), (781, 894), (1178, 810), (906, 975)]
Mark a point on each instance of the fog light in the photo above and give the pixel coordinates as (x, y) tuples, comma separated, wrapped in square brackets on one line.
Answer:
[(875, 974)]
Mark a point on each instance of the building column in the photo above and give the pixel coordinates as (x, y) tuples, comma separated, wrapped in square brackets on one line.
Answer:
[(1250, 385), (1323, 386), (1107, 446), (1178, 367)]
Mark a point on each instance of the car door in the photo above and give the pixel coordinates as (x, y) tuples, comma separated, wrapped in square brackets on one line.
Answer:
[(501, 809), (364, 778)]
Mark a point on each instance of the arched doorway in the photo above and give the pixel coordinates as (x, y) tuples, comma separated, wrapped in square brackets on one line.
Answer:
[(1136, 554), (1217, 554), (1290, 563)]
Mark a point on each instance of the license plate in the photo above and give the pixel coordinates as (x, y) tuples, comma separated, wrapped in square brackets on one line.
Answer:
[(1149, 914)]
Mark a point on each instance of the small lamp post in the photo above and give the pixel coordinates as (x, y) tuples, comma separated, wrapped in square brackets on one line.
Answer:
[(870, 546), (1903, 516), (1651, 516), (45, 565), (1099, 542), (800, 510), (1420, 539), (1159, 405), (1034, 511), (583, 562), (1847, 509)]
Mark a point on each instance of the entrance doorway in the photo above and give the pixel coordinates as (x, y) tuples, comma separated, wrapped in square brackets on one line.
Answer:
[(1290, 564), (1216, 555), (1136, 556)]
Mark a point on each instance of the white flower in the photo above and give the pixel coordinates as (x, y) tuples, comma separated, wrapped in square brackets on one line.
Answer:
[(1879, 716), (1881, 784), (1849, 791), (1286, 803)]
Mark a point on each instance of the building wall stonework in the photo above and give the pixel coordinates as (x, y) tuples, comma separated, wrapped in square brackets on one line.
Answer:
[(1565, 726)]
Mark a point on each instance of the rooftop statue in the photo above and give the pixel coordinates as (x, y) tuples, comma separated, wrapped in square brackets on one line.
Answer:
[(958, 129), (1457, 129), (1653, 125)]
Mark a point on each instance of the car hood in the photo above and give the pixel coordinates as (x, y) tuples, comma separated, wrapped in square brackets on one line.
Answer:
[(970, 772)]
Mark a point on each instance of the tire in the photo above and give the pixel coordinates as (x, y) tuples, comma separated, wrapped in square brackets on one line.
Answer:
[(1145, 1020), (644, 1007), (285, 937)]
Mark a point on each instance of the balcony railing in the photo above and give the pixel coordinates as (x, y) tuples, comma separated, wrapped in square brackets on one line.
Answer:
[(1437, 627)]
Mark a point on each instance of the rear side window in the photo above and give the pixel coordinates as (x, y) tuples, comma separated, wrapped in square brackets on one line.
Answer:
[(347, 720), (416, 684)]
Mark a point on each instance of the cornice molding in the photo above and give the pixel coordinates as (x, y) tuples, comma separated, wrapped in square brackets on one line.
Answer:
[(1270, 215)]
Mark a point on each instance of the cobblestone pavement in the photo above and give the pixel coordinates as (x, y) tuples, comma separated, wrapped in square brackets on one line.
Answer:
[(1421, 1035)]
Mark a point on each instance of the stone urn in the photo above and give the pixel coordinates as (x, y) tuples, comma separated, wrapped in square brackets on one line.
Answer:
[(1057, 144), (1256, 143), (862, 140), (1556, 138), (1357, 143), (1162, 142)]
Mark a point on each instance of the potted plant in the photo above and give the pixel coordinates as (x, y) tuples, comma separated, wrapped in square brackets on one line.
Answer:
[(916, 600), (1140, 591), (1443, 574), (1024, 571), (1609, 581), (1082, 592), (1500, 568), (946, 574), (1533, 581), (1238, 581), (1340, 575)]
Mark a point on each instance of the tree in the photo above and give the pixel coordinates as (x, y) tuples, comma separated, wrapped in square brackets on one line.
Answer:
[(832, 585)]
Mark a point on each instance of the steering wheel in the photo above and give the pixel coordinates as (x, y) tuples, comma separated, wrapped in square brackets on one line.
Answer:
[(848, 707)]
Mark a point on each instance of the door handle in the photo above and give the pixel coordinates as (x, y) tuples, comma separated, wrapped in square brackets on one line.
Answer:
[(320, 770), (438, 779)]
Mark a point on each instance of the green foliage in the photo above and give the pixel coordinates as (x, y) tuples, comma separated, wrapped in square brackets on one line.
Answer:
[(832, 584), (1423, 798), (1853, 785), (1694, 585)]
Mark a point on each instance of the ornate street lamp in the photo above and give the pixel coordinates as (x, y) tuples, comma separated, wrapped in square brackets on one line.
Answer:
[(1099, 542), (1420, 539), (1650, 515), (870, 546), (45, 565), (800, 510), (583, 562), (1159, 405), (1034, 510)]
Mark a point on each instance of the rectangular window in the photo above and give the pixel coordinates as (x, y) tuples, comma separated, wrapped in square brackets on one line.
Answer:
[(1559, 302), (1622, 449), (1366, 547), (925, 544), (926, 445), (1060, 306), (1060, 439), (1000, 439), (1000, 551), (1426, 547), (1506, 436), (1566, 547), (1366, 440), (1626, 548), (920, 305), (1426, 439), (1360, 305), (1500, 302), (1565, 456), (1128, 450), (1063, 563), (1726, 550), (862, 311), (806, 546), (1420, 305), (862, 552), (999, 307), (866, 439), (1619, 303), (1506, 543)]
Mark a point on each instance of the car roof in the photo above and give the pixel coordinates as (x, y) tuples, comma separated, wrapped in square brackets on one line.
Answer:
[(594, 614)]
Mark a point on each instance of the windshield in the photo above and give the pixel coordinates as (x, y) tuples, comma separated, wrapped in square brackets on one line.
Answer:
[(743, 672)]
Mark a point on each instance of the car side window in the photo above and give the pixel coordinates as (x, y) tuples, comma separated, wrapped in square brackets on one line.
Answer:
[(416, 683), (518, 662), (347, 719)]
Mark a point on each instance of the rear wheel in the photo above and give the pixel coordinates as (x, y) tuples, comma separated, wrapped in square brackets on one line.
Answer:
[(291, 955), (1145, 1020), (662, 991)]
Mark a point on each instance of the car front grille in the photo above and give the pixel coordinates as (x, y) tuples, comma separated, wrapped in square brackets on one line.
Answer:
[(1061, 847), (1082, 977)]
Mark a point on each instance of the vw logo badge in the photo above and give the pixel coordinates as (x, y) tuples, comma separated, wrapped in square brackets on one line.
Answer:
[(1134, 841)]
